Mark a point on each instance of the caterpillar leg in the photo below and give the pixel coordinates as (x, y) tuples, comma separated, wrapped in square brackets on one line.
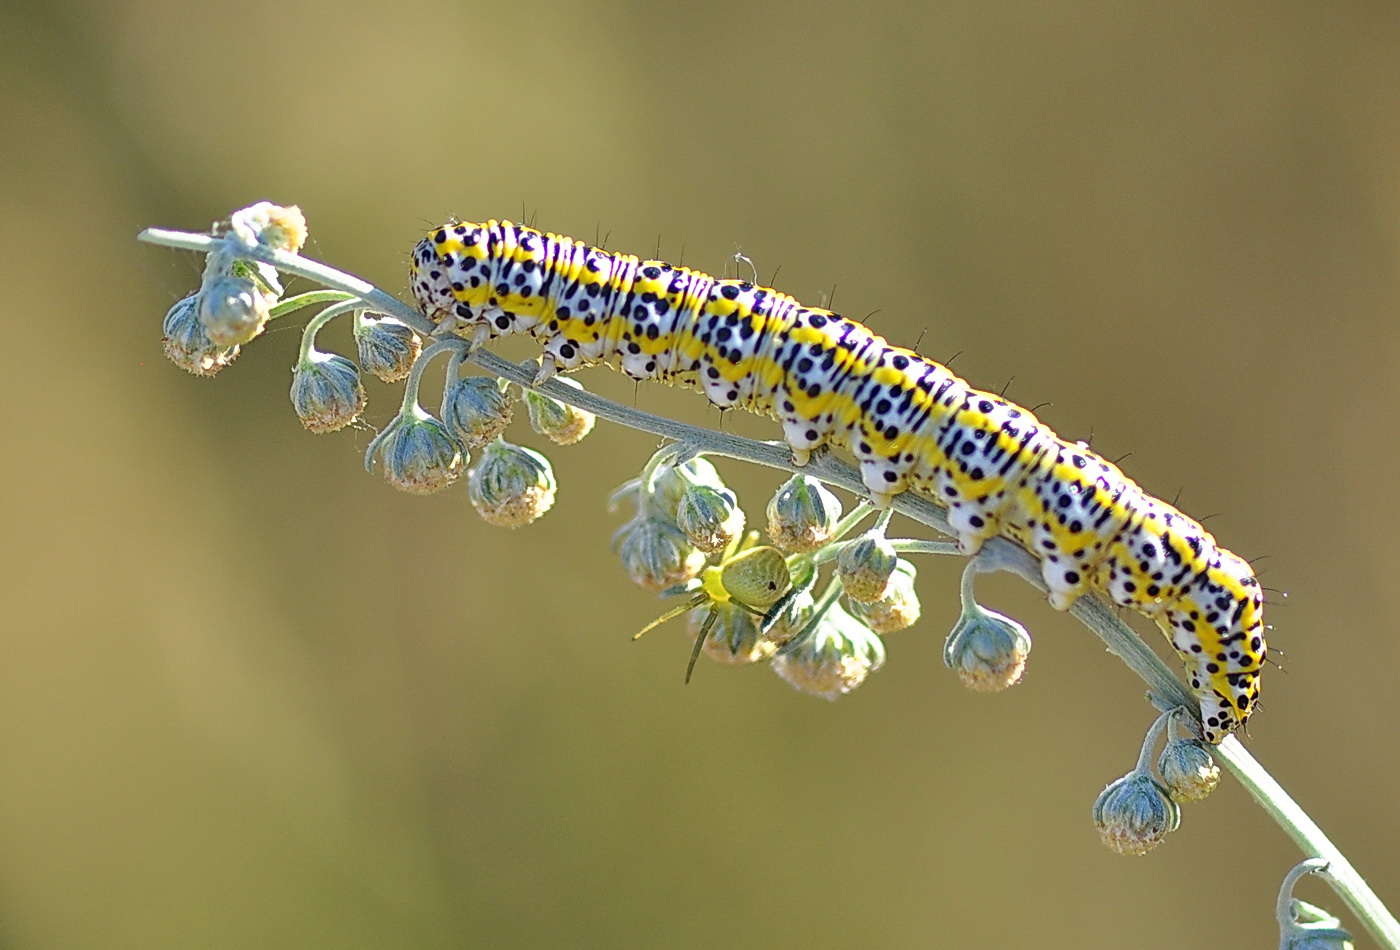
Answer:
[(800, 457), (547, 369)]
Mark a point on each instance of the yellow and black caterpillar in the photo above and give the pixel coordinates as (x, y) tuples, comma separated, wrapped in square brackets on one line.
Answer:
[(909, 422)]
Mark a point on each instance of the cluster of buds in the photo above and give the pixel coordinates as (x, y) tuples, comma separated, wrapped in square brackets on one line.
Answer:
[(655, 550), (1134, 813), (756, 602), (417, 452), (204, 331)]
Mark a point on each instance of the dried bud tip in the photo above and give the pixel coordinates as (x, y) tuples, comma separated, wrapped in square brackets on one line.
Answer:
[(282, 227)]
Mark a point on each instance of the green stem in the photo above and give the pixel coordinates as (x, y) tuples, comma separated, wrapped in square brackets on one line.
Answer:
[(309, 299), (1149, 742), (916, 546), (856, 516), (314, 325), (1283, 910), (415, 375), (996, 553)]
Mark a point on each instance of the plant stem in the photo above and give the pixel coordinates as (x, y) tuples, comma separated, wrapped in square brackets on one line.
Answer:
[(1166, 691)]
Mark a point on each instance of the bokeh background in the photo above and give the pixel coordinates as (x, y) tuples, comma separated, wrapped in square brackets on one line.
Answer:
[(251, 696)]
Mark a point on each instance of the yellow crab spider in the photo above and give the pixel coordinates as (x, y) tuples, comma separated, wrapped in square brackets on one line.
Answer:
[(749, 575)]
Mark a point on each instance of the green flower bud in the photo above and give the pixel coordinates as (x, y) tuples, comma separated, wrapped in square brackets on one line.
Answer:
[(986, 649), (836, 658), (733, 638), (417, 452), (1135, 813), (899, 608), (275, 226), (802, 515), (1188, 770), (476, 409), (670, 484), (673, 481), (326, 391), (710, 517), (655, 553), (561, 423), (511, 485), (233, 309), (188, 346), (387, 347), (865, 566)]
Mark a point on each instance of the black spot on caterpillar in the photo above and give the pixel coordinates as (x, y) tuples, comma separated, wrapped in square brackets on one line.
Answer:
[(910, 423)]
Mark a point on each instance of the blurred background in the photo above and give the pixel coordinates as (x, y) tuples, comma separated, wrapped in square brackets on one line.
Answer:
[(252, 696)]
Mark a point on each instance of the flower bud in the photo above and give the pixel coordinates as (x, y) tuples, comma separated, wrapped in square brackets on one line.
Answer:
[(1313, 928), (276, 226), (733, 638), (419, 455), (655, 553), (187, 345), (674, 480), (987, 650), (865, 567), (326, 391), (233, 309), (1188, 770), (475, 409), (710, 517), (793, 618), (561, 423), (899, 608), (836, 658), (802, 515), (511, 485), (1135, 813), (387, 347)]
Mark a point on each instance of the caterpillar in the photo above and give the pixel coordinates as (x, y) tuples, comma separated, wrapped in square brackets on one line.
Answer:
[(908, 421)]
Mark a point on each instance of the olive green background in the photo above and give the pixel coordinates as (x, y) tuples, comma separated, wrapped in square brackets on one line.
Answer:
[(251, 696)]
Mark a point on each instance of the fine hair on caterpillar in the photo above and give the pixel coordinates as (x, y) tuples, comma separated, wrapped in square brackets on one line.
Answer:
[(909, 422)]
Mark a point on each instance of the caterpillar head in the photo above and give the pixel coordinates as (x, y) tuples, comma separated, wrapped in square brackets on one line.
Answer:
[(448, 273)]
